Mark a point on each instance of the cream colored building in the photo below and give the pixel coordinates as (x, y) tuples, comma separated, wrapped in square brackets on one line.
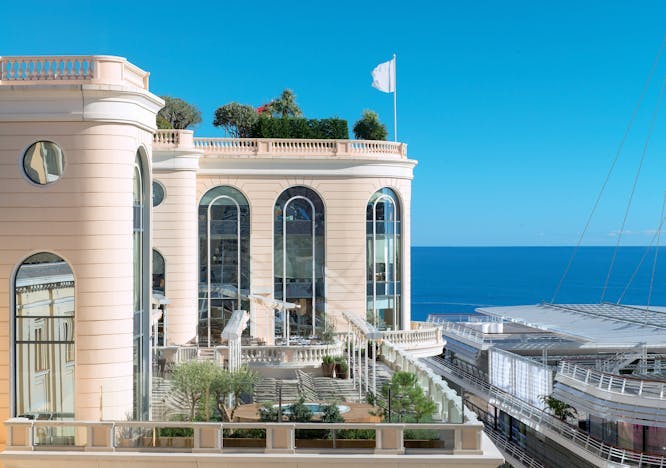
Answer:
[(302, 234)]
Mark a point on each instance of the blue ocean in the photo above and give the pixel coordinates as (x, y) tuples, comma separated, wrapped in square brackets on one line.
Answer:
[(452, 280)]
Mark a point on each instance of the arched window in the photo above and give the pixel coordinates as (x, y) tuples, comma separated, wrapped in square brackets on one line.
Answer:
[(299, 250), (383, 259), (224, 260), (141, 288), (159, 291), (44, 338)]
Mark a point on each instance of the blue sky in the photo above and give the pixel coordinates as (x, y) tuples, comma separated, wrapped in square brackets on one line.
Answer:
[(514, 109)]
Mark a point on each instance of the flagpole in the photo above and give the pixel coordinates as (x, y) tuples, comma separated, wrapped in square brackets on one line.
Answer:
[(395, 99)]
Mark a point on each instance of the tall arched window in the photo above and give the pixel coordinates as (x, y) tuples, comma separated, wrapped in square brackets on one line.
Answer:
[(383, 259), (159, 291), (299, 250), (44, 338), (141, 288), (224, 260)]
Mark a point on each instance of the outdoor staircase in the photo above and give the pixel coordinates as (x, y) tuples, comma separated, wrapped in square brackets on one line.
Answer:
[(206, 354)]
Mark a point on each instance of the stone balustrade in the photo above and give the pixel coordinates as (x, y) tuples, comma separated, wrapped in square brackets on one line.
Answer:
[(279, 147), (92, 69), (422, 341), (280, 438), (282, 356)]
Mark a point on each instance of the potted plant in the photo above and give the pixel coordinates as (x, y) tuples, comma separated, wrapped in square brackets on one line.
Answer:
[(327, 365), (342, 370)]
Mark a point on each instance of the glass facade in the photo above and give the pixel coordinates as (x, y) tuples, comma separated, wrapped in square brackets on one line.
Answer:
[(383, 249), (299, 249), (224, 260), (141, 303), (159, 291), (44, 338)]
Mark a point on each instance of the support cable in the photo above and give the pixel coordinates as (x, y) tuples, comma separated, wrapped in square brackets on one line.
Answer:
[(633, 190), (638, 267), (654, 263), (612, 168)]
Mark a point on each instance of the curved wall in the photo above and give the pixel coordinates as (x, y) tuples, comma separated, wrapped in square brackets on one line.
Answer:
[(86, 218)]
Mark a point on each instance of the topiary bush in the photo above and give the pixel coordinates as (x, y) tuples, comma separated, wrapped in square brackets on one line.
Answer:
[(293, 127)]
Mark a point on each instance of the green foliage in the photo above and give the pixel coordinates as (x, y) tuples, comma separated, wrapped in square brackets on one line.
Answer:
[(195, 379), (328, 359), (175, 431), (298, 412), (342, 367), (368, 127), (328, 335), (285, 105), (331, 414), (237, 119), (292, 127), (268, 413), (177, 114), (237, 383), (408, 401), (561, 410)]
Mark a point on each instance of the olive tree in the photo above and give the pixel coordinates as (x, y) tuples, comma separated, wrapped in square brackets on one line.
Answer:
[(407, 399), (195, 379), (368, 127), (177, 114), (237, 119)]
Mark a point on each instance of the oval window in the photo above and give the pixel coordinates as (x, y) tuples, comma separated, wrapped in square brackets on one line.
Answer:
[(43, 162), (158, 193)]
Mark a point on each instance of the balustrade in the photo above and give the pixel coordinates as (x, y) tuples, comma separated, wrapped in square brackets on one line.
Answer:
[(285, 147), (80, 69)]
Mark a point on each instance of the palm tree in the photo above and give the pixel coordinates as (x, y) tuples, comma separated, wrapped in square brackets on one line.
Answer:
[(560, 409), (285, 105)]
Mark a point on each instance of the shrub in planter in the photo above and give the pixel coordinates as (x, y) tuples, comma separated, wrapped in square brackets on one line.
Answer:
[(328, 365), (342, 370)]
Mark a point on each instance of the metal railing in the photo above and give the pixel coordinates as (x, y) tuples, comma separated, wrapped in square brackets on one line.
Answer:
[(546, 423), (634, 387)]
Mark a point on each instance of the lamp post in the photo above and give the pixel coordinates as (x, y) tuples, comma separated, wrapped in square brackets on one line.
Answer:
[(389, 403)]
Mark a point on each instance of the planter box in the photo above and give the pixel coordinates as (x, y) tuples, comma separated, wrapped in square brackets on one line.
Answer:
[(339, 443), (243, 442), (424, 444)]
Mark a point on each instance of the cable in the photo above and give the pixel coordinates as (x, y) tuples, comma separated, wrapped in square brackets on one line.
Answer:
[(638, 267), (610, 171), (633, 190), (654, 263)]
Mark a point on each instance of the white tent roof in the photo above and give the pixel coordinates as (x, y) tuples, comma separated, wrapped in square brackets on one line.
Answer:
[(607, 325)]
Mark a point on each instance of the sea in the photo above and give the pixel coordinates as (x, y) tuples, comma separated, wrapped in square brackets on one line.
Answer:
[(457, 280)]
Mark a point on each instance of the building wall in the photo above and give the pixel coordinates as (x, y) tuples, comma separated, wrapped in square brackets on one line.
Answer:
[(175, 236), (86, 218), (345, 200)]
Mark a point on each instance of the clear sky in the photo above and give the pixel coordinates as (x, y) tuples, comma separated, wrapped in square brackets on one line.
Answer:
[(514, 110)]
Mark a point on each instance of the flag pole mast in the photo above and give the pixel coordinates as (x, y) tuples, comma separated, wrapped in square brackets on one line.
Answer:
[(395, 99)]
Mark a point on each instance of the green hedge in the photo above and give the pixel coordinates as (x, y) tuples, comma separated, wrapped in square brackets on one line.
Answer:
[(296, 127)]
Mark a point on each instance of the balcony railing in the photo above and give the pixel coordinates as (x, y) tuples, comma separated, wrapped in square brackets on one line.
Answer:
[(143, 436), (279, 147), (632, 387), (69, 69), (560, 431)]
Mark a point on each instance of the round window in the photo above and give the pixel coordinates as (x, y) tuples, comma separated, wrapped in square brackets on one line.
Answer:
[(158, 193), (43, 162)]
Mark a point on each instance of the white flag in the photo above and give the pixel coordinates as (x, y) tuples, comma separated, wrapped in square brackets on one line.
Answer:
[(383, 76)]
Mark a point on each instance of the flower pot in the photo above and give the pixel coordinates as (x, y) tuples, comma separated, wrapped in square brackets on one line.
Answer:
[(327, 369)]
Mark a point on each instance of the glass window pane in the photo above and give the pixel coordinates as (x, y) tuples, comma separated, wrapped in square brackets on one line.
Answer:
[(43, 162)]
